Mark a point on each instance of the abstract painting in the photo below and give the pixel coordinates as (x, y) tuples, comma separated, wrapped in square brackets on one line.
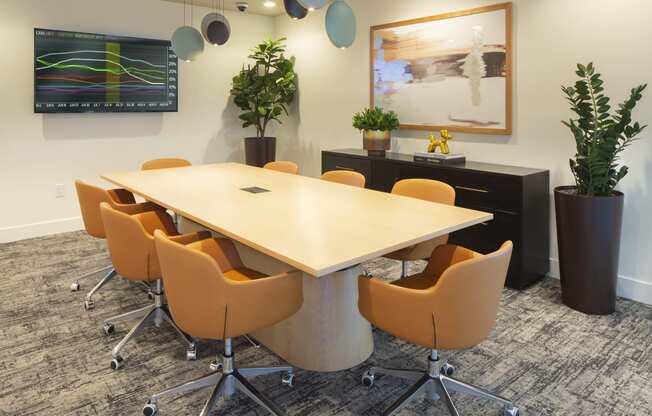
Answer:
[(451, 71)]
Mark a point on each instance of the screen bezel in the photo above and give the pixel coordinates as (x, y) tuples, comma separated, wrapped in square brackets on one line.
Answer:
[(106, 37)]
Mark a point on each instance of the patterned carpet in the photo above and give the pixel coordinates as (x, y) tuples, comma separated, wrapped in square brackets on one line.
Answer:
[(54, 357)]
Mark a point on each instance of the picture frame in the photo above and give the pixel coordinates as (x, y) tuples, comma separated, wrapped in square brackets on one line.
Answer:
[(451, 71)]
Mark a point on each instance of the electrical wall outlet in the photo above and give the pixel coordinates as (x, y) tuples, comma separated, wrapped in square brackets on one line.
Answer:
[(60, 191)]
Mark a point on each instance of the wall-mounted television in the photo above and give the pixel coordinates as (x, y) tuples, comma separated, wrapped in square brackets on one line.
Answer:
[(83, 72)]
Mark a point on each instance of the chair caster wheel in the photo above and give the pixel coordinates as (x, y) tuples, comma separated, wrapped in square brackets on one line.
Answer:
[(117, 363), (368, 378), (150, 409), (89, 305), (447, 370), (288, 379), (74, 287), (150, 296), (216, 366), (512, 411), (109, 329), (191, 354)]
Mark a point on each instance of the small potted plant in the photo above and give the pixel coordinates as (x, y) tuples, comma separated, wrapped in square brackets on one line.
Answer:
[(376, 126), (263, 91), (589, 214)]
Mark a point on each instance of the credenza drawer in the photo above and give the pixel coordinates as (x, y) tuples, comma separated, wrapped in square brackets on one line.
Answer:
[(362, 166), (474, 190)]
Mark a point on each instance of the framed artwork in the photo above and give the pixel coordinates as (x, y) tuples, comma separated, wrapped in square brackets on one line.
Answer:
[(451, 71)]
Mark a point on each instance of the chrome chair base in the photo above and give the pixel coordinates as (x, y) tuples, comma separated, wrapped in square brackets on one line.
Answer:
[(76, 286), (437, 384), (89, 304), (226, 381), (156, 313), (404, 269)]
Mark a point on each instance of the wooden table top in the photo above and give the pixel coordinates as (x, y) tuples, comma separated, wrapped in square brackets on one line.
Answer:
[(316, 226)]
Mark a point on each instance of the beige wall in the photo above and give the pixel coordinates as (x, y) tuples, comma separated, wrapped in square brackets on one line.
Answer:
[(551, 36), (37, 152)]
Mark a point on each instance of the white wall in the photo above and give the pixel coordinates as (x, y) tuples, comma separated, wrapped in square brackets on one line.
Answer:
[(551, 36), (37, 152)]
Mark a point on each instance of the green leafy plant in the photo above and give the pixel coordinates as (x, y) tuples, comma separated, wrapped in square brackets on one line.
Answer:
[(600, 135), (264, 90), (376, 119)]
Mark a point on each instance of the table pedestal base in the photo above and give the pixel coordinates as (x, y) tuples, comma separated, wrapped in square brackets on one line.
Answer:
[(327, 333)]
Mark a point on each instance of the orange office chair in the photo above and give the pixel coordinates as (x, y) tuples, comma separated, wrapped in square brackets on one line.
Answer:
[(214, 296), (283, 166), (345, 177), (428, 190), (131, 244), (452, 305), (166, 163), (90, 198)]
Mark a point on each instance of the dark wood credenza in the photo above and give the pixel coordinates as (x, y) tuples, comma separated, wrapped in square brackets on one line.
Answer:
[(518, 197)]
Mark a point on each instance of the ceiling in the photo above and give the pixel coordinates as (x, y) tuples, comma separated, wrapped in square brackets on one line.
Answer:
[(255, 6)]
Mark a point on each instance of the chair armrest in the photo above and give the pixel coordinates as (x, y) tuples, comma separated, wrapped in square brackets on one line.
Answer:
[(190, 238), (444, 256), (263, 302), (133, 209), (404, 313), (122, 196)]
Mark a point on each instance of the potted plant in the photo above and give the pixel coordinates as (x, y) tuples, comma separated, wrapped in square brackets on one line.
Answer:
[(263, 92), (589, 214), (376, 126)]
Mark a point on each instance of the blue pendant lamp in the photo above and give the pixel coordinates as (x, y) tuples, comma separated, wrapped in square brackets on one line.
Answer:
[(295, 10), (341, 24), (187, 42), (313, 4)]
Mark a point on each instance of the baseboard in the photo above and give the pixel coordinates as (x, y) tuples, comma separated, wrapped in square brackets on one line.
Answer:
[(629, 288), (39, 229)]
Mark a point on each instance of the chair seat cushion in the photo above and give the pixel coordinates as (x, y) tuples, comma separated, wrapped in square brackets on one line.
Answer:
[(243, 274), (419, 281)]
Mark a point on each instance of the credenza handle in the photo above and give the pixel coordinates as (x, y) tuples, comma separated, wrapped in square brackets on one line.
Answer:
[(343, 168), (466, 188)]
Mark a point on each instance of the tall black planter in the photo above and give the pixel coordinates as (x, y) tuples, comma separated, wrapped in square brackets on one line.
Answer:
[(260, 151), (588, 234)]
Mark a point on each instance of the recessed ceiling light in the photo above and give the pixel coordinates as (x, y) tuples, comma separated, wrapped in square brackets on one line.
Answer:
[(269, 4)]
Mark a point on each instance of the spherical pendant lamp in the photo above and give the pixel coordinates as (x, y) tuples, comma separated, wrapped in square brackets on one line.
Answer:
[(313, 4), (187, 43), (216, 29), (341, 24), (295, 10)]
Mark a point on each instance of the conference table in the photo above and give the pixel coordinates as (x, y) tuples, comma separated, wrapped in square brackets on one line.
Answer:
[(283, 222)]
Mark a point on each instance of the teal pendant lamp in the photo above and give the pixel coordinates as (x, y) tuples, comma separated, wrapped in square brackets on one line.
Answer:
[(313, 4), (187, 42), (341, 24)]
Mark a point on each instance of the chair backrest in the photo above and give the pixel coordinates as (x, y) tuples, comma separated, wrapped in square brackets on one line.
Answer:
[(195, 285), (345, 177), (165, 163), (283, 166), (131, 242), (466, 298), (90, 197), (426, 189)]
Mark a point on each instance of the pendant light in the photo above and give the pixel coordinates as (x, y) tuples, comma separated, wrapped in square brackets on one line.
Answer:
[(187, 42), (313, 4), (341, 24), (215, 27), (295, 10)]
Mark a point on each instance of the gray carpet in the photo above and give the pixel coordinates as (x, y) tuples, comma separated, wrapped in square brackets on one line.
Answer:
[(54, 357)]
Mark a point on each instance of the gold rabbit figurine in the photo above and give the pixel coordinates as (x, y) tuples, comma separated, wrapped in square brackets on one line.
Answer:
[(440, 143)]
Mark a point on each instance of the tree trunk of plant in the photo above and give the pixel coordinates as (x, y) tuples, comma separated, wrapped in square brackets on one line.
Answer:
[(588, 235), (260, 151)]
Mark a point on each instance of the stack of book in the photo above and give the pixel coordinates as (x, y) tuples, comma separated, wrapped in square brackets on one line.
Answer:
[(439, 158)]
